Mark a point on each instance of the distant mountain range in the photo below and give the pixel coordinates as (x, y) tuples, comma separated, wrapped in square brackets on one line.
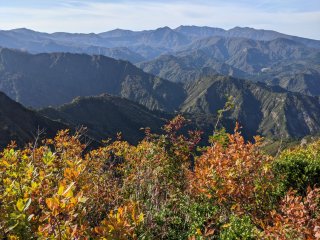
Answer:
[(281, 62), (275, 79), (131, 45), (188, 52)]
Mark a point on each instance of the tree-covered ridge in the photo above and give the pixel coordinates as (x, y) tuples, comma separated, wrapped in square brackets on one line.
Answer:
[(165, 187), (43, 80), (21, 124)]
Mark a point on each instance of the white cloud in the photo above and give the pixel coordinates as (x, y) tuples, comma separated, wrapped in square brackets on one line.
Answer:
[(81, 16)]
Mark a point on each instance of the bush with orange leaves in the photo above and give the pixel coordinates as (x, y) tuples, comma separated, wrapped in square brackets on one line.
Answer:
[(297, 218), (238, 176), (163, 188)]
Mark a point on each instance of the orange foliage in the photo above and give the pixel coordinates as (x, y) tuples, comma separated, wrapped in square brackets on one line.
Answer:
[(237, 176), (298, 218)]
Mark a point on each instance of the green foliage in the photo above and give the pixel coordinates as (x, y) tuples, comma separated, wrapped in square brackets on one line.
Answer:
[(239, 228), (299, 168), (220, 137), (188, 217)]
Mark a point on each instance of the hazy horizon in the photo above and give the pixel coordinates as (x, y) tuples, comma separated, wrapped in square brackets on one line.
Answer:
[(291, 17), (142, 29)]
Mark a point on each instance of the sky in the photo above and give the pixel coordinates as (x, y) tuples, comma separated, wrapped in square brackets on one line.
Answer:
[(294, 17)]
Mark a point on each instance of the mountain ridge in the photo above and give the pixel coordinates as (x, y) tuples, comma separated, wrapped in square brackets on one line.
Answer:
[(161, 40), (280, 62), (54, 79), (260, 109), (22, 125), (31, 79), (105, 116)]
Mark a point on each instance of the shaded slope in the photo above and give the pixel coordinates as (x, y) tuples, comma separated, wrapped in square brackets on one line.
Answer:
[(269, 111), (53, 79), (21, 125), (106, 115)]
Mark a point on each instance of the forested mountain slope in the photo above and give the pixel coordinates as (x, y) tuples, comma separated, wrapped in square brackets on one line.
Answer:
[(54, 79), (22, 125)]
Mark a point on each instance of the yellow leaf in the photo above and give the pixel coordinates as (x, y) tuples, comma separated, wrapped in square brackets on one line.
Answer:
[(5, 163), (61, 189), (49, 202), (20, 205), (34, 185), (265, 168), (111, 228), (226, 225), (68, 194), (141, 218), (42, 174), (73, 200), (52, 203)]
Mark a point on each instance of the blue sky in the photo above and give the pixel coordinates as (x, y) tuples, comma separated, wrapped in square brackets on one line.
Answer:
[(295, 17)]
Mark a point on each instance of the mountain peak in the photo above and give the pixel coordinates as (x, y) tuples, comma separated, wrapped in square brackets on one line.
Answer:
[(23, 30), (242, 28), (117, 33), (163, 29)]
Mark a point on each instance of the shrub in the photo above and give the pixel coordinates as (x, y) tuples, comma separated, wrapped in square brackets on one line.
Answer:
[(299, 168), (237, 176), (239, 228), (162, 188), (297, 218)]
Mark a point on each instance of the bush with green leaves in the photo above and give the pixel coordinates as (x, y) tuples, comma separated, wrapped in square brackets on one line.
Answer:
[(299, 168), (239, 228)]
